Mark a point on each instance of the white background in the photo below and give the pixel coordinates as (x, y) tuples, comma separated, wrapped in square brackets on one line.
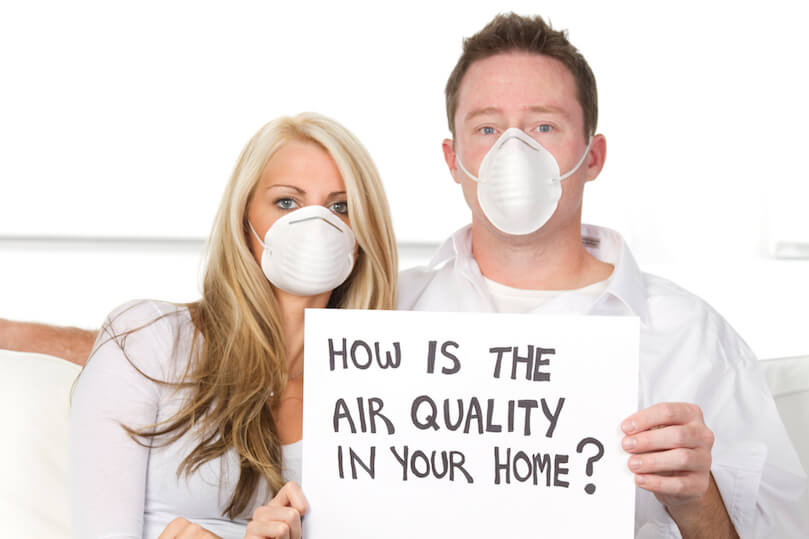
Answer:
[(120, 123)]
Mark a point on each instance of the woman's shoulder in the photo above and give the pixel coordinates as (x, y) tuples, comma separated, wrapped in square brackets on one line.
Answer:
[(151, 332), (145, 313)]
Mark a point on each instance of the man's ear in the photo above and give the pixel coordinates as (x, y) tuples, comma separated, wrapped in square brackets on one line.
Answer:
[(597, 155), (449, 158)]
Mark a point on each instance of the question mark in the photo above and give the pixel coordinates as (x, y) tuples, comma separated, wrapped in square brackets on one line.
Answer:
[(590, 488)]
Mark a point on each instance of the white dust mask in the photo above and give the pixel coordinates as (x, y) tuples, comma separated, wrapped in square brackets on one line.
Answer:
[(519, 183), (308, 251)]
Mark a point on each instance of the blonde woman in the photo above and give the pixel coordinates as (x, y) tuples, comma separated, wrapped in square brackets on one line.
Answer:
[(195, 411)]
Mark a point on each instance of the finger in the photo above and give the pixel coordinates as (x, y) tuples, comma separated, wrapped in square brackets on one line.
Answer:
[(262, 529), (190, 531), (687, 436), (673, 461), (291, 495), (661, 414), (691, 485), (274, 513), (174, 528), (195, 531)]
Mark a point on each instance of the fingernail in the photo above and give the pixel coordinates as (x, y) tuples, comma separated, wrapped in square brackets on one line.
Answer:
[(635, 463), (629, 443), (639, 479), (628, 427)]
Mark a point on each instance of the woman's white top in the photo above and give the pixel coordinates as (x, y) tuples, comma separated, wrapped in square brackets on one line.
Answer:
[(120, 489)]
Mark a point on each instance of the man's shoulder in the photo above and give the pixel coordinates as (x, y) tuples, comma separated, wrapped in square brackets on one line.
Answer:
[(416, 276), (662, 290), (674, 308), (413, 282)]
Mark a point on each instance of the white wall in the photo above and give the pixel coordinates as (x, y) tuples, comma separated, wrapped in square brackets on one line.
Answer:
[(121, 122), (78, 281)]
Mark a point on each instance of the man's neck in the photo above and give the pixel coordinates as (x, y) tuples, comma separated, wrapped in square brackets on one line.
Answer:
[(544, 260)]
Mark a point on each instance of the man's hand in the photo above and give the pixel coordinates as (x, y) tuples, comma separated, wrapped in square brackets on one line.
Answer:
[(180, 528), (672, 452), (671, 457), (281, 518)]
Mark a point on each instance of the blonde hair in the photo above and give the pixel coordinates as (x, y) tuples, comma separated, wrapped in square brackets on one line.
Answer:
[(237, 368)]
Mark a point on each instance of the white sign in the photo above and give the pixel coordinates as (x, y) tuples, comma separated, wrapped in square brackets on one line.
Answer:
[(420, 424)]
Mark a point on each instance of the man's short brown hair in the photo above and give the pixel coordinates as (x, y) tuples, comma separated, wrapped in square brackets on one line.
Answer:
[(512, 32)]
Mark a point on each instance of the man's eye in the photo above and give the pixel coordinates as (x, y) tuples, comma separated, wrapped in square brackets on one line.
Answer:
[(340, 208), (286, 203), (487, 130), (544, 128)]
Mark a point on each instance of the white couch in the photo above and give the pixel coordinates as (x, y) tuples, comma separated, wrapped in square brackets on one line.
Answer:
[(34, 397), (35, 393), (788, 379)]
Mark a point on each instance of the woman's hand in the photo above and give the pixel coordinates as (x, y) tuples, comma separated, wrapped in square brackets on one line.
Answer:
[(180, 528), (281, 518)]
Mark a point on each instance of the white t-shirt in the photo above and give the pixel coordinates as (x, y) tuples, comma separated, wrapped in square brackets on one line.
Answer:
[(121, 489), (688, 353), (508, 299)]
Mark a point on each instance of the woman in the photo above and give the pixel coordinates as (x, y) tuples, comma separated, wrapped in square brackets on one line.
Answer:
[(196, 410)]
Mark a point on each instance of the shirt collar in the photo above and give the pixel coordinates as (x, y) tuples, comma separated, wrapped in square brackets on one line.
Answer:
[(626, 283)]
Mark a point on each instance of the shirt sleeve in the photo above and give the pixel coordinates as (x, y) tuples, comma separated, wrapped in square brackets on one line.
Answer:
[(107, 467), (755, 466)]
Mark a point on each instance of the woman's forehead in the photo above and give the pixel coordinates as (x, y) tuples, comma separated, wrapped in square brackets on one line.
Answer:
[(302, 165)]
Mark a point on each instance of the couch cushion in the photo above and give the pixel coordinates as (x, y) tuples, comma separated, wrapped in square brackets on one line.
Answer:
[(788, 379), (35, 399)]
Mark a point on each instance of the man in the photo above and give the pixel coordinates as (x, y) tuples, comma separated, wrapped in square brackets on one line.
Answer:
[(522, 110), (521, 106)]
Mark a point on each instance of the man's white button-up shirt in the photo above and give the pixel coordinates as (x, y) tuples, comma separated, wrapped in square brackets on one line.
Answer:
[(688, 353)]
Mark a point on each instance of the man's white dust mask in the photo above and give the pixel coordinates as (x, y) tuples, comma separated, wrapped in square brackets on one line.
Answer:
[(519, 183)]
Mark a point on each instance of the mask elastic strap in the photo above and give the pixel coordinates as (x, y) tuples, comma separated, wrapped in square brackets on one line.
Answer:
[(571, 171), (584, 155), (458, 160), (255, 233)]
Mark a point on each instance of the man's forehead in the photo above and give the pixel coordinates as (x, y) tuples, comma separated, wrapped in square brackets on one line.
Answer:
[(514, 82)]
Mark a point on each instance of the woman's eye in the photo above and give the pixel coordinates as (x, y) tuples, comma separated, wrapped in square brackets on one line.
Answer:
[(340, 208), (487, 130), (286, 203), (544, 128)]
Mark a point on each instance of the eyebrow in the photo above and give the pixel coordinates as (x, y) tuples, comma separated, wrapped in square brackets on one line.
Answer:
[(298, 189), (548, 109), (535, 108), (482, 112), (302, 192)]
